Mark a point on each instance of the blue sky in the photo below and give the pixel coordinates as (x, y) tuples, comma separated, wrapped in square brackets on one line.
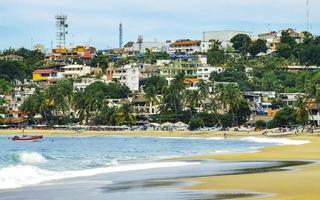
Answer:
[(97, 21)]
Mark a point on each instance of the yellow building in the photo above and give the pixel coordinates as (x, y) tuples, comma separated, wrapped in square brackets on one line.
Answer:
[(43, 74)]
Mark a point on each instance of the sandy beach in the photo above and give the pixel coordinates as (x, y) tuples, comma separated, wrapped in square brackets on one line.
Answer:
[(299, 183), (68, 133)]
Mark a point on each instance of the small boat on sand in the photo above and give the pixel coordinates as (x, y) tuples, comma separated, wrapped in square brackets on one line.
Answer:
[(27, 138)]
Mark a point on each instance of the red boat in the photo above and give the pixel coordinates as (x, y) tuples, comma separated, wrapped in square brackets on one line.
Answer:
[(27, 138)]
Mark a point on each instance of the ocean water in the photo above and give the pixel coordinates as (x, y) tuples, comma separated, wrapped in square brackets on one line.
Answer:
[(31, 163)]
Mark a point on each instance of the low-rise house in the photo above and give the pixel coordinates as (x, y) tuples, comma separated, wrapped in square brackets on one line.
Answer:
[(299, 68), (11, 57), (147, 71), (81, 84), (45, 75), (191, 83), (290, 98), (261, 102)]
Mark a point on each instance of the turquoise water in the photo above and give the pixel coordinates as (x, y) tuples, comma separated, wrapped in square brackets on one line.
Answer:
[(30, 163)]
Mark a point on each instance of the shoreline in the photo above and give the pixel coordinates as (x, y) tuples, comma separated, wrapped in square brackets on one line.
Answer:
[(200, 134)]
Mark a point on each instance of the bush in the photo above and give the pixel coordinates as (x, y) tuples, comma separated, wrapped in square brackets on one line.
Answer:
[(260, 124), (195, 123)]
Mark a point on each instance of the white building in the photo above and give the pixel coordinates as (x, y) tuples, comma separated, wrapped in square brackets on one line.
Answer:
[(85, 82), (128, 75), (314, 115), (133, 47), (204, 72), (290, 98), (162, 63), (73, 71), (223, 36), (185, 46)]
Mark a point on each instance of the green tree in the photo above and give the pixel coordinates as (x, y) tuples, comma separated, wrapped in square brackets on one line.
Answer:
[(302, 110), (284, 50), (5, 87), (195, 123), (241, 43), (287, 39), (171, 102), (285, 117), (216, 56), (258, 46), (125, 116), (230, 97)]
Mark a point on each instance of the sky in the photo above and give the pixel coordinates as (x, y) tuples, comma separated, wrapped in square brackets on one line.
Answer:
[(96, 22)]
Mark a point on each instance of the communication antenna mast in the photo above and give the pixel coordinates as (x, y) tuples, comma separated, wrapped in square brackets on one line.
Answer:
[(61, 25), (140, 41), (308, 16), (120, 35)]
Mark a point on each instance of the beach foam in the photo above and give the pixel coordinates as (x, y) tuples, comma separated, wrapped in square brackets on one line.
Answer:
[(24, 175), (280, 141), (30, 158)]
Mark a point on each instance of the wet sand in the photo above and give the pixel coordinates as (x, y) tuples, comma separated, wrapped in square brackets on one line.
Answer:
[(152, 184), (300, 183)]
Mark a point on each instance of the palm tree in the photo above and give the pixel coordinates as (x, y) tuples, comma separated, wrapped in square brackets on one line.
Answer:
[(151, 96), (203, 90), (302, 106), (191, 100), (230, 97), (125, 115)]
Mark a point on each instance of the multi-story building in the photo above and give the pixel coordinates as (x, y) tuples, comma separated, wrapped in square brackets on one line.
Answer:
[(128, 75), (223, 36), (185, 46), (314, 116), (204, 72), (186, 64), (74, 71)]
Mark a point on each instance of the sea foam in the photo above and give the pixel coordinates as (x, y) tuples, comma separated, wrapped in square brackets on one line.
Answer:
[(279, 141), (30, 158), (25, 175)]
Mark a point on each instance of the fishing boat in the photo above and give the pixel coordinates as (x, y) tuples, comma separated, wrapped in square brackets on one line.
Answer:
[(27, 138)]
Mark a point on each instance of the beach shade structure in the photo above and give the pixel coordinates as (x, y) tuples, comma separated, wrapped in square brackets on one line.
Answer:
[(155, 125), (180, 126), (167, 126)]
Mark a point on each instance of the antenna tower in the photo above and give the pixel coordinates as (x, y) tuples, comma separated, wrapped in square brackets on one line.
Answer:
[(140, 41), (308, 16), (120, 35), (61, 25)]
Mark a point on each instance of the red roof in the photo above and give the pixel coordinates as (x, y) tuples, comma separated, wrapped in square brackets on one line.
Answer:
[(44, 71), (87, 55), (186, 42)]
